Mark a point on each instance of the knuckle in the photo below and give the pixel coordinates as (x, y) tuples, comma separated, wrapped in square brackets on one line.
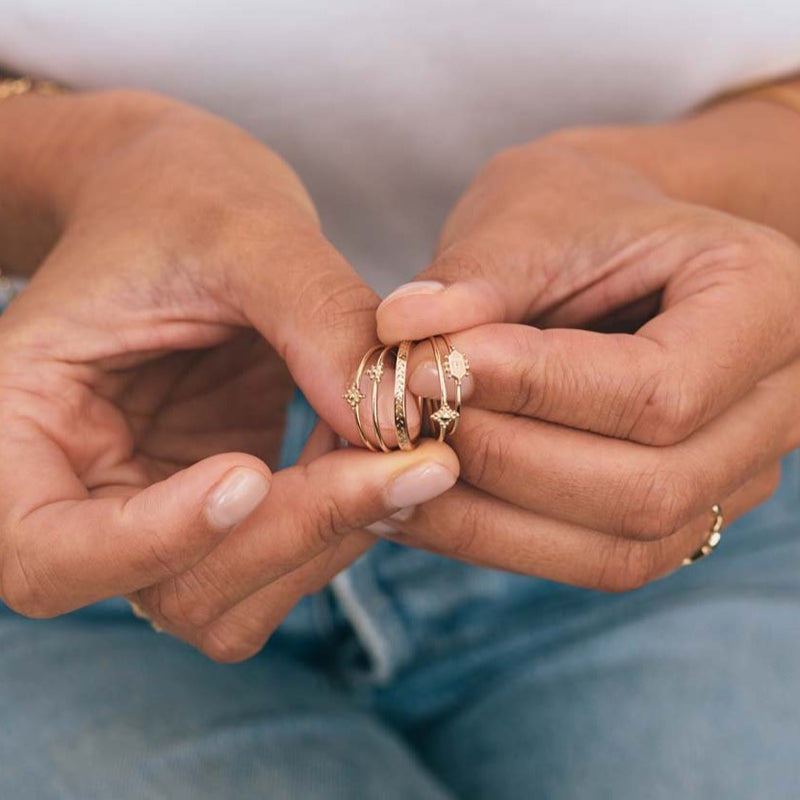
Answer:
[(199, 595), (487, 458), (228, 645), (336, 301), (667, 409), (658, 504), (630, 566), (333, 296), (24, 593), (531, 387), (185, 602), (462, 540), (168, 553), (323, 520), (462, 262)]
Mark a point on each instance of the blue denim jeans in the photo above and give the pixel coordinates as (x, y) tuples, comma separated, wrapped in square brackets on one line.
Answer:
[(414, 677)]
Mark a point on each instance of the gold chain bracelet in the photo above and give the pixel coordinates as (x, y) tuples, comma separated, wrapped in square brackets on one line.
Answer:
[(14, 87)]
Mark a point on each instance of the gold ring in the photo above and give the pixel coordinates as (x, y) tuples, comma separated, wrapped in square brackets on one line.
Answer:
[(456, 367), (400, 419), (375, 374), (139, 612), (444, 416), (438, 418), (353, 396), (714, 537)]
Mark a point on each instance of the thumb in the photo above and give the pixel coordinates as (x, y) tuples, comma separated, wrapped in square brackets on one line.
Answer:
[(319, 315), (465, 286), (71, 550)]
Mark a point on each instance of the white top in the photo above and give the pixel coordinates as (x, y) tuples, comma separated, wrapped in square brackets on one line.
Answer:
[(387, 107)]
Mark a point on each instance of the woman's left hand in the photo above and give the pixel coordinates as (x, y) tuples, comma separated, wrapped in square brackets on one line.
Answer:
[(592, 455)]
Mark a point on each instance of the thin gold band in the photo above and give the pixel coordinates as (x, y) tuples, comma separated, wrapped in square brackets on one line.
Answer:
[(376, 374), (784, 96), (714, 537), (456, 368), (354, 396), (440, 416)]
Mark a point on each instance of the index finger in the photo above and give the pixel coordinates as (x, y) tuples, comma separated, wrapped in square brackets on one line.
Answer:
[(63, 549), (727, 329)]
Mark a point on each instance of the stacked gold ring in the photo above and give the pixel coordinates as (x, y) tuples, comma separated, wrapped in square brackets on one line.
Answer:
[(714, 538), (438, 418)]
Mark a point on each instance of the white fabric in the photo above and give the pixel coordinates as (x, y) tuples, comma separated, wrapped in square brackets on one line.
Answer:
[(386, 108)]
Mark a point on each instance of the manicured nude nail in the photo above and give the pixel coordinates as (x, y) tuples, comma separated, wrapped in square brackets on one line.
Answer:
[(381, 528), (419, 485), (416, 287), (236, 497), (384, 527), (424, 381)]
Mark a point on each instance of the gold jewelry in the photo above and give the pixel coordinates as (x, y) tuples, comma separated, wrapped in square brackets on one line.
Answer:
[(353, 396), (400, 419), (375, 374), (438, 418), (14, 87), (444, 416), (714, 537), (456, 367), (139, 612), (786, 96)]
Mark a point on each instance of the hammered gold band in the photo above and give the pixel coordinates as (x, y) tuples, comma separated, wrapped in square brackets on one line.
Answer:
[(714, 537)]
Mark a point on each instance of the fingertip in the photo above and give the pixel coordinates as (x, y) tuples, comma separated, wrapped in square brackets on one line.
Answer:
[(461, 305), (434, 471), (430, 450), (236, 496)]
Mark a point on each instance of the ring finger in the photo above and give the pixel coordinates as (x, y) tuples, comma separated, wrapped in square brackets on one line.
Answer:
[(475, 527)]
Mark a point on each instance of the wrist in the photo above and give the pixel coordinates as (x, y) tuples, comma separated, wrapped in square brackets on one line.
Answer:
[(741, 156), (48, 145)]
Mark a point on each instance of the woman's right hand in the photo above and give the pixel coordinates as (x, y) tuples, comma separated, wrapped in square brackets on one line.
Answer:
[(184, 286)]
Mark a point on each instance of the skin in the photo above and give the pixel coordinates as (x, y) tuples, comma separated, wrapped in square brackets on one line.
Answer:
[(123, 416), (648, 363), (182, 288)]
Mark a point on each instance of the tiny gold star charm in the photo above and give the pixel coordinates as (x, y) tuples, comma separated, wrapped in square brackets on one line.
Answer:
[(456, 366), (445, 415), (353, 395), (375, 373)]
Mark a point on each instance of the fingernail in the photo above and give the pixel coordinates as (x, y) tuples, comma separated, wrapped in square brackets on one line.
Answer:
[(384, 527), (424, 381), (415, 287), (419, 485), (381, 528), (236, 497)]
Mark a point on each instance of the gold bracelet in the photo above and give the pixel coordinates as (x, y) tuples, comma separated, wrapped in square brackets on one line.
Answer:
[(14, 87), (785, 96), (781, 93)]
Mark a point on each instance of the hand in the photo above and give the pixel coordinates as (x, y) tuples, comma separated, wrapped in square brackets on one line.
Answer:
[(145, 371), (591, 457)]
